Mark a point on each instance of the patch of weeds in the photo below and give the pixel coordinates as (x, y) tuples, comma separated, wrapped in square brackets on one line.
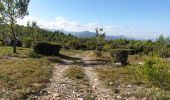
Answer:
[(75, 73), (159, 94), (139, 75)]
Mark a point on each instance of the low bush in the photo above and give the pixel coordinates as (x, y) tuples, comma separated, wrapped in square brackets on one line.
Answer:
[(45, 48), (155, 72), (106, 48), (119, 56), (164, 52)]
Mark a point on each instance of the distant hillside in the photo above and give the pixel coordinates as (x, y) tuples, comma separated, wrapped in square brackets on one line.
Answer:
[(93, 34), (109, 37), (84, 34)]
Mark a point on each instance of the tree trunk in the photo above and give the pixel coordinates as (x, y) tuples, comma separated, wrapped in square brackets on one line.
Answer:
[(97, 41), (33, 40), (15, 39), (15, 46)]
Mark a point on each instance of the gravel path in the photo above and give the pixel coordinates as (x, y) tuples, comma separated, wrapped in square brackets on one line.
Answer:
[(57, 85), (62, 88), (99, 90)]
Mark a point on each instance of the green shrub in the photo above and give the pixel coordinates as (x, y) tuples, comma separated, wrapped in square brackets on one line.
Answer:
[(27, 43), (154, 72), (106, 48), (45, 48), (157, 72), (139, 75), (119, 56), (164, 52)]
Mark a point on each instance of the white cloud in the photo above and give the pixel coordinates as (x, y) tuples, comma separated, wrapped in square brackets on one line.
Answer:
[(74, 26), (29, 18), (59, 23)]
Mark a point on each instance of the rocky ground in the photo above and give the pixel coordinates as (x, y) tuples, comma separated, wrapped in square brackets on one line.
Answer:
[(63, 88), (99, 90)]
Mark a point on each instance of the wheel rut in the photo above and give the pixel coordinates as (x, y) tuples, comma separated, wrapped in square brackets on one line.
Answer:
[(62, 88), (100, 91)]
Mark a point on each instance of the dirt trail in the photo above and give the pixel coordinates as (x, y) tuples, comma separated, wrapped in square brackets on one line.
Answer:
[(62, 88), (99, 90), (58, 86)]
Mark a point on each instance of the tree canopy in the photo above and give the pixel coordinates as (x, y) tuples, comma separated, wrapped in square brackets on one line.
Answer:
[(10, 11)]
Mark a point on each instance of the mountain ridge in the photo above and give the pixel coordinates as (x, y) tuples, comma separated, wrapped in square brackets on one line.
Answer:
[(89, 34)]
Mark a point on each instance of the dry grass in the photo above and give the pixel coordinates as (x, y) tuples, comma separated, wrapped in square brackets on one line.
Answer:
[(131, 74), (75, 73), (135, 59), (71, 53), (21, 75), (112, 76), (7, 52)]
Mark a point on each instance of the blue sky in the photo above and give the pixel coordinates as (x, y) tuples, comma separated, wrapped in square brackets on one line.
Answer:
[(133, 18)]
